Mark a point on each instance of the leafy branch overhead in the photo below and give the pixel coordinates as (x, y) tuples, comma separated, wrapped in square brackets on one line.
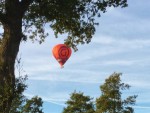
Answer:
[(73, 17)]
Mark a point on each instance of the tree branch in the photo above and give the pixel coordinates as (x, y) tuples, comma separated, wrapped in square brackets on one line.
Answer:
[(3, 18), (24, 5)]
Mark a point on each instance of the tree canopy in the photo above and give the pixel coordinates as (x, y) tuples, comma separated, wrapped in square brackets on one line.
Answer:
[(111, 100), (74, 17), (78, 103)]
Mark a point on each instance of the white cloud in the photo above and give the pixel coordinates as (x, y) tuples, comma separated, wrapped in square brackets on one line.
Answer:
[(142, 107), (89, 77), (51, 100), (123, 43)]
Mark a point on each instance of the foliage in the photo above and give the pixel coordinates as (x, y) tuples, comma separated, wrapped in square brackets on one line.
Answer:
[(111, 100), (20, 103), (78, 103), (34, 105), (5, 93), (76, 18), (20, 99)]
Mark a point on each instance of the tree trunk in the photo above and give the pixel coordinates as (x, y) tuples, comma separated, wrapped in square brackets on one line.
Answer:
[(9, 47), (8, 52)]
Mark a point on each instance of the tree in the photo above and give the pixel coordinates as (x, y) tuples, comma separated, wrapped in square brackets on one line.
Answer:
[(24, 19), (111, 100), (19, 99), (34, 105), (20, 103), (78, 103)]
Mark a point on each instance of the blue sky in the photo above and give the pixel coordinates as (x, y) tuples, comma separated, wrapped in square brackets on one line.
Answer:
[(121, 44)]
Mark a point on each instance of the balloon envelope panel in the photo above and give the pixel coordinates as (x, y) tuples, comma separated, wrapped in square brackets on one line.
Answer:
[(61, 52)]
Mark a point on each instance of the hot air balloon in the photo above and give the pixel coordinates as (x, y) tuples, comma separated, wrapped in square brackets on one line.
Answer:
[(61, 52)]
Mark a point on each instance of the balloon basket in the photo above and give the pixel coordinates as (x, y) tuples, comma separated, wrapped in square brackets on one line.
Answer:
[(62, 67)]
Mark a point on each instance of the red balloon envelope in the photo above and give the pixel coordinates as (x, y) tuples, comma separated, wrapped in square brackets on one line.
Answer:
[(61, 52)]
